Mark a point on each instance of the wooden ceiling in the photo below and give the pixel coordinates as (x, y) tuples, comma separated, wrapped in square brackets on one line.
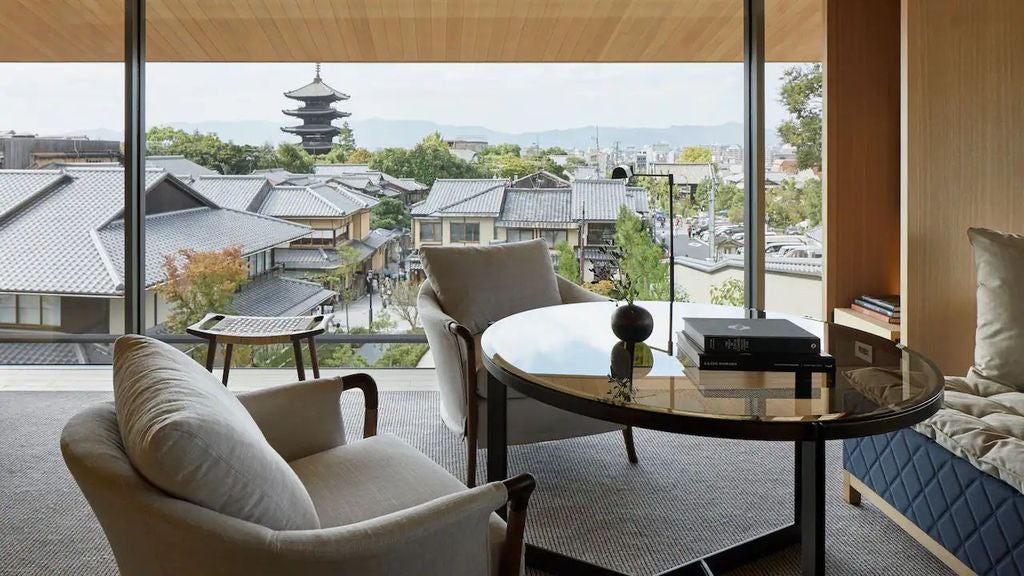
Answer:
[(409, 30)]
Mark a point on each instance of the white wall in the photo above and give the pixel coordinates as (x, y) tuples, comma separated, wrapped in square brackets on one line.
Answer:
[(790, 293)]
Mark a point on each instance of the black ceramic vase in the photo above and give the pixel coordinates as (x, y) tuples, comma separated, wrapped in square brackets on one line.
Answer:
[(631, 323)]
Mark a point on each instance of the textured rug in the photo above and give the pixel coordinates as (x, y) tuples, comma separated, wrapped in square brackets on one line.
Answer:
[(688, 496)]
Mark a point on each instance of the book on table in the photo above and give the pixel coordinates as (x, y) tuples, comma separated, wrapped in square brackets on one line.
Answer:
[(750, 336), (692, 355)]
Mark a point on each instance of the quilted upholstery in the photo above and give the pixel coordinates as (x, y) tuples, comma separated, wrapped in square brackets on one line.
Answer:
[(982, 422), (977, 517)]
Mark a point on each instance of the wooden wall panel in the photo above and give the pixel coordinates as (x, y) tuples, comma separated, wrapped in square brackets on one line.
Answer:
[(861, 150), (963, 160), (408, 30)]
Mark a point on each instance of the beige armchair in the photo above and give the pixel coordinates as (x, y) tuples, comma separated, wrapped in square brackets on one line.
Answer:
[(383, 508), (463, 384)]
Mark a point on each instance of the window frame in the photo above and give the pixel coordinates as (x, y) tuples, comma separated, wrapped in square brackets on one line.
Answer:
[(435, 226), (466, 227)]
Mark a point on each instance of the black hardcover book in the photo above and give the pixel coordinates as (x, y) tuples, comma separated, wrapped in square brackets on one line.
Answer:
[(690, 355), (746, 336), (890, 303)]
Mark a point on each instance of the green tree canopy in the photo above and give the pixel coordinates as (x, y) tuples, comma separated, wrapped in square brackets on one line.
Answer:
[(695, 155), (389, 213), (294, 159), (641, 257), (802, 97), (201, 282), (359, 156), (568, 266), (207, 149), (429, 160)]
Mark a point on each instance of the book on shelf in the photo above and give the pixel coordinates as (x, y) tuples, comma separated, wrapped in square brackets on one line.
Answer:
[(890, 303), (876, 314), (750, 336), (692, 355)]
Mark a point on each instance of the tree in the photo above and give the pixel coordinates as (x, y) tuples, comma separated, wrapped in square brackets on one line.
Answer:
[(359, 156), (502, 150), (729, 292), (201, 282), (293, 158), (641, 257), (801, 95), (429, 160), (389, 213), (403, 301), (346, 139), (568, 266), (791, 203), (695, 155)]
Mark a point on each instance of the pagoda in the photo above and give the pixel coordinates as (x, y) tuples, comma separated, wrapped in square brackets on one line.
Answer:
[(317, 112)]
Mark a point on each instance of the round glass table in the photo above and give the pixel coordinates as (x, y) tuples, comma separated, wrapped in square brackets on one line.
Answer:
[(566, 356)]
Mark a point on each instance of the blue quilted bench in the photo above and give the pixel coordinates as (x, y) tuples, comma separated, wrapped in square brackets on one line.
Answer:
[(976, 517)]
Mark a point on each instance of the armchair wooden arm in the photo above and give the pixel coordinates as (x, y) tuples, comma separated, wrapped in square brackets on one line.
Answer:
[(467, 357)]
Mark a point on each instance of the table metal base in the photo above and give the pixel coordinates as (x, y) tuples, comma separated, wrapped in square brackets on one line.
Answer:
[(807, 528)]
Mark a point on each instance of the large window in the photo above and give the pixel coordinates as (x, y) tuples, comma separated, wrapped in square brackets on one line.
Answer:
[(465, 231), (519, 234), (30, 310), (430, 231), (554, 236), (600, 233)]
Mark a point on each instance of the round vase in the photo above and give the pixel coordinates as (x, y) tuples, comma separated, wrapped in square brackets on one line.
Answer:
[(631, 323)]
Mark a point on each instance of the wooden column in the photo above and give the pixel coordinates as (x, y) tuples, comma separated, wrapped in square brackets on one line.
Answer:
[(861, 150), (963, 160)]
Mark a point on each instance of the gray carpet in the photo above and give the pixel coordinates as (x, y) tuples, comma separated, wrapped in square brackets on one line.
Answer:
[(686, 498)]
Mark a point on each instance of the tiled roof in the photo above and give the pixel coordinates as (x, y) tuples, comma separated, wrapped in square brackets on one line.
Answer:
[(338, 169), (541, 179), (18, 186), (364, 250), (684, 173), (235, 192), (536, 208), (316, 89), (306, 258), (318, 200), (379, 237), (200, 229), (600, 200), (477, 197), (179, 166), (412, 184), (69, 243), (277, 295)]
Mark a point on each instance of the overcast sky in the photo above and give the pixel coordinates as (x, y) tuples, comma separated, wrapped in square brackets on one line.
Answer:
[(64, 98)]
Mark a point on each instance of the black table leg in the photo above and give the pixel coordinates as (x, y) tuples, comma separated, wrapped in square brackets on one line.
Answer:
[(227, 363), (297, 348), (312, 358), (497, 432), (811, 507), (211, 353)]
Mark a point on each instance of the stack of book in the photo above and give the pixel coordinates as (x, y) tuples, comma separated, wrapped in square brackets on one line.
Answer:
[(884, 308), (764, 345)]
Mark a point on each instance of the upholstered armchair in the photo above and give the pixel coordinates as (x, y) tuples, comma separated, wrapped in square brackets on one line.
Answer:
[(484, 285), (377, 506)]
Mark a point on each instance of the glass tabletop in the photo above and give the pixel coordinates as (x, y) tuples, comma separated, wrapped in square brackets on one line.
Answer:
[(568, 356)]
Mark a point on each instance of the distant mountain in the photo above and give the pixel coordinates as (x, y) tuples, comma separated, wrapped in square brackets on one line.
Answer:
[(375, 133)]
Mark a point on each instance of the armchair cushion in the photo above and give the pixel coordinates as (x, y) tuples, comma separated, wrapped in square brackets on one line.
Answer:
[(379, 476), (188, 435), (999, 259), (477, 285)]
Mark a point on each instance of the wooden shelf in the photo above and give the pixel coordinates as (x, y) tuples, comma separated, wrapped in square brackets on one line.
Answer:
[(853, 319)]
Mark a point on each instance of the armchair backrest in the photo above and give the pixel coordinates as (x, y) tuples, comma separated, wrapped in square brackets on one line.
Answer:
[(148, 530)]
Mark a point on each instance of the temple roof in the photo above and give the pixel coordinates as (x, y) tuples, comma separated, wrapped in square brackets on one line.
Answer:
[(300, 112), (316, 89)]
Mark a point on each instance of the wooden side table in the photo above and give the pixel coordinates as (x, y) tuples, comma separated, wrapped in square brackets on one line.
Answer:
[(256, 330)]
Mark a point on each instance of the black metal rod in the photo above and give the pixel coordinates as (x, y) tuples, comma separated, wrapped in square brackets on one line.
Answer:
[(671, 257), (753, 145), (812, 507), (497, 433), (134, 167)]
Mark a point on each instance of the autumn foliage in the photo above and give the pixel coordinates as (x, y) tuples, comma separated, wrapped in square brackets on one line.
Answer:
[(201, 282)]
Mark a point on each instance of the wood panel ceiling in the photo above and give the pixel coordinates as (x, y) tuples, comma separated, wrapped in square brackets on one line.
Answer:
[(409, 30)]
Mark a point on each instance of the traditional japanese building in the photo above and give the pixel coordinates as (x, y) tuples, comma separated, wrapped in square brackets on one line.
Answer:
[(317, 112)]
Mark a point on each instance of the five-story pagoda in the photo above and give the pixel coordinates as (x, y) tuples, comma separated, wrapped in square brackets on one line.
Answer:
[(317, 112)]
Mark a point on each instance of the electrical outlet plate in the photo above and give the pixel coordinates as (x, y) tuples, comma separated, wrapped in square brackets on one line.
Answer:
[(863, 351)]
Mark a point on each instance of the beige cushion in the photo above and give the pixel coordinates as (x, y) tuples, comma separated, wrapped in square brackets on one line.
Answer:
[(999, 340), (982, 422), (477, 285), (378, 476), (188, 435)]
